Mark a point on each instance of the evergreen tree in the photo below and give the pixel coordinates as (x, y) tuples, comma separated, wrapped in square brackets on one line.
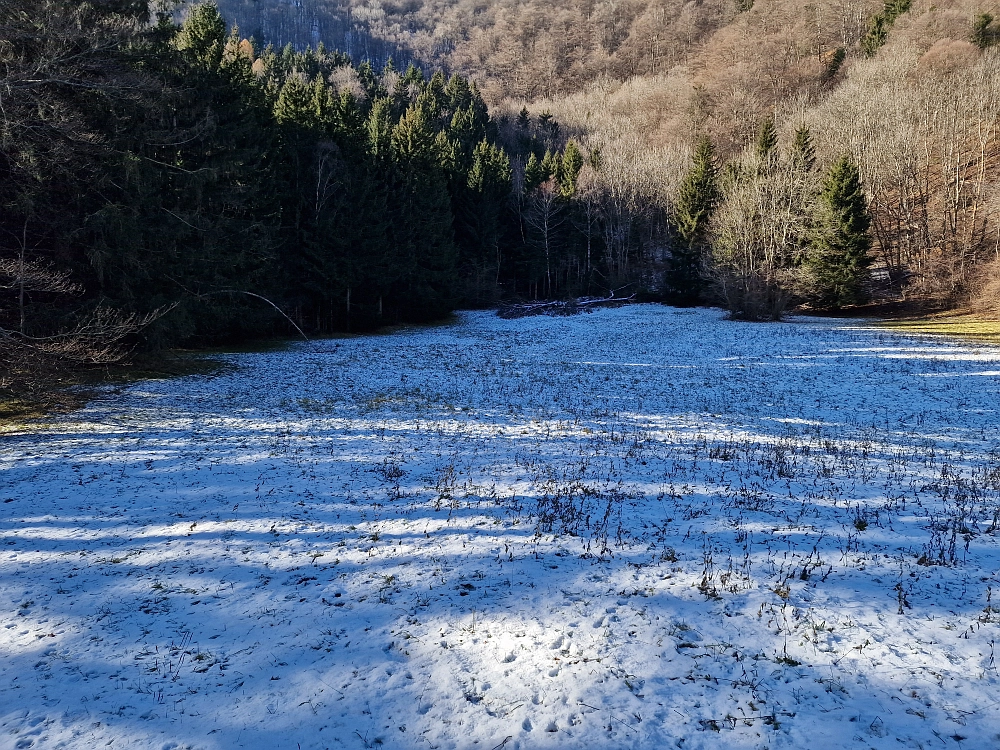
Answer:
[(552, 167), (379, 128), (696, 198), (881, 23), (458, 93), (203, 36), (181, 166), (479, 215), (835, 64), (549, 129), (878, 33), (803, 153), (467, 132), (983, 33), (534, 173), (572, 163), (490, 173), (767, 143), (523, 119), (369, 81), (838, 253), (423, 232)]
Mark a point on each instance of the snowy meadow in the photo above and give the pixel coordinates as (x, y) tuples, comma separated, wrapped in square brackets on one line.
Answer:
[(638, 528)]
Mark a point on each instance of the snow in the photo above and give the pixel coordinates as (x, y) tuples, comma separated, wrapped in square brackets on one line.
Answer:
[(638, 528)]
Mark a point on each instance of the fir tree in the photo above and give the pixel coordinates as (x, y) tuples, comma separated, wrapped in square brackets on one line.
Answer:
[(379, 128), (880, 24), (294, 104), (457, 93), (413, 137), (478, 217), (535, 173), (767, 142), (523, 119), (572, 163), (803, 153), (369, 81), (490, 173), (552, 167), (695, 200), (983, 33), (423, 232), (835, 64), (838, 258), (203, 36)]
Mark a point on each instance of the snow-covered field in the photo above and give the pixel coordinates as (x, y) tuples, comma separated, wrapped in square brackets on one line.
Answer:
[(640, 528)]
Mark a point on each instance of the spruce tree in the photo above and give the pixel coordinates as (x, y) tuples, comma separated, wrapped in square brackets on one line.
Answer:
[(767, 142), (983, 33), (572, 163), (835, 63), (479, 221), (838, 258), (203, 36), (423, 232), (369, 81), (457, 93), (523, 119), (534, 173), (880, 24), (696, 198), (803, 153), (379, 129), (552, 165)]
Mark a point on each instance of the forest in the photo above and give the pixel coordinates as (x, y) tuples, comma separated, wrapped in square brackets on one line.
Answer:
[(192, 174)]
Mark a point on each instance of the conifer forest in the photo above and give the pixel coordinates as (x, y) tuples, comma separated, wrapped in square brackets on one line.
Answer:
[(194, 174)]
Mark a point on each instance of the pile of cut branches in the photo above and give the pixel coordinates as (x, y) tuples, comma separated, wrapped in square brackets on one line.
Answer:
[(513, 310)]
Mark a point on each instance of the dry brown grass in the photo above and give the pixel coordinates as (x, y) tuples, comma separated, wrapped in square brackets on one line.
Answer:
[(987, 300), (968, 325)]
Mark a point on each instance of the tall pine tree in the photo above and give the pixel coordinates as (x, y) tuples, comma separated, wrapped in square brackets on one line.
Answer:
[(838, 257), (423, 232), (767, 143), (803, 153), (696, 198)]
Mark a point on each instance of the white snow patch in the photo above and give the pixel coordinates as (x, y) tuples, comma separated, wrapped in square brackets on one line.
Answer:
[(518, 534)]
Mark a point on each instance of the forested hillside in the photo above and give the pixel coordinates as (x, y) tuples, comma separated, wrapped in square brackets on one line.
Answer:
[(174, 181), (908, 89), (188, 174)]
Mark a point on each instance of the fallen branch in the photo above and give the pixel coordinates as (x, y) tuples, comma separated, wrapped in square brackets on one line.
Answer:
[(261, 297)]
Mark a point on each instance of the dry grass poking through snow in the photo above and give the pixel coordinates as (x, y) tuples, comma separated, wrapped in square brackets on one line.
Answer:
[(969, 326), (638, 528)]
